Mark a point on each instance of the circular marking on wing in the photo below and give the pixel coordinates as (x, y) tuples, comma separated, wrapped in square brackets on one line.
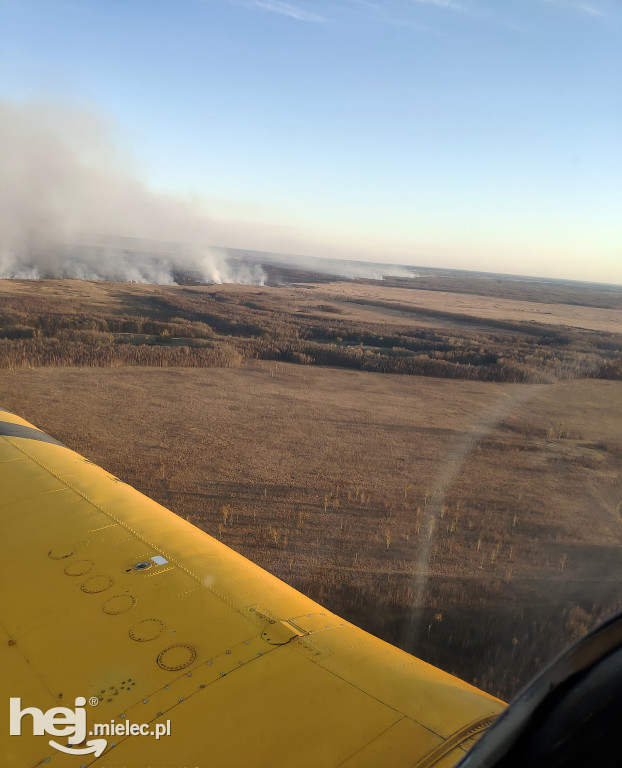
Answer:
[(147, 629), (79, 567), (119, 604), (61, 551), (98, 583), (176, 657)]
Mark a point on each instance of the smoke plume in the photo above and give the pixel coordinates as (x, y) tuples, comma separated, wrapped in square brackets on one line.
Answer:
[(70, 208)]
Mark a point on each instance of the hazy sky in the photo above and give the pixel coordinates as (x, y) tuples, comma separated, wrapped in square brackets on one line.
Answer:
[(459, 133)]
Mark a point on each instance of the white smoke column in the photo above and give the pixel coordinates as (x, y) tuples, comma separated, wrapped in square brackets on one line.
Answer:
[(62, 180)]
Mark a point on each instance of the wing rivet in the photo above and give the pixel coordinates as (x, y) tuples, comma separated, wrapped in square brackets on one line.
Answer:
[(122, 717), (228, 652), (201, 686), (145, 701), (159, 714), (189, 674), (180, 699), (167, 687)]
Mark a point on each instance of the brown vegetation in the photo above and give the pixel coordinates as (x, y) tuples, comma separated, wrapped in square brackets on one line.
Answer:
[(220, 326), (475, 523)]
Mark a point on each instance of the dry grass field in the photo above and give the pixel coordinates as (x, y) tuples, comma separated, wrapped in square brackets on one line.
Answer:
[(484, 307), (476, 523)]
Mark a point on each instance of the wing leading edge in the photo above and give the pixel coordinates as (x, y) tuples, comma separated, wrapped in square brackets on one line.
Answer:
[(109, 596)]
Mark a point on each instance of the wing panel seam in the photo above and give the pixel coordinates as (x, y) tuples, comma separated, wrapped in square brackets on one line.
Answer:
[(125, 525)]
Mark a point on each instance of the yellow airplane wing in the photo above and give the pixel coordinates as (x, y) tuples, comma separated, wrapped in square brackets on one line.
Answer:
[(130, 631)]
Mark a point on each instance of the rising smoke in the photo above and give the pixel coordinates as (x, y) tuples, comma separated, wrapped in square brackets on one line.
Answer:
[(70, 208)]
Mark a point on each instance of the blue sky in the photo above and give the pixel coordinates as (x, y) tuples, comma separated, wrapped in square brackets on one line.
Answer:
[(458, 133)]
